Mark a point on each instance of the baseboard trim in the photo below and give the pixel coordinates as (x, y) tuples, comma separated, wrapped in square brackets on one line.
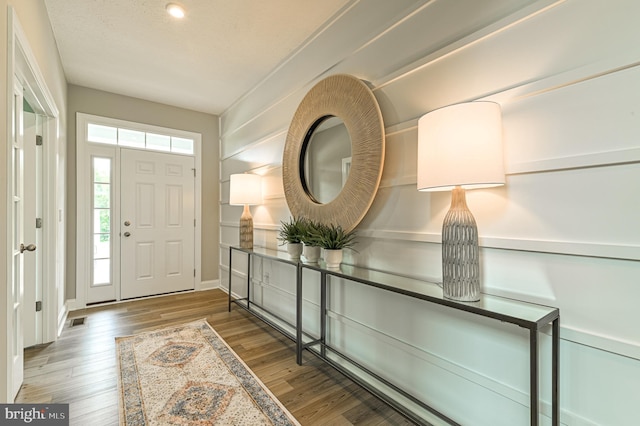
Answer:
[(208, 285), (62, 317)]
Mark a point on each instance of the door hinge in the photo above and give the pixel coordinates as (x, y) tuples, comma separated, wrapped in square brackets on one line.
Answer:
[(194, 223), (194, 272), (38, 222), (38, 140), (194, 172), (38, 306)]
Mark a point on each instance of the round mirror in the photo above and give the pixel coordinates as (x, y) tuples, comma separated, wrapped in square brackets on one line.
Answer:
[(326, 159), (350, 101)]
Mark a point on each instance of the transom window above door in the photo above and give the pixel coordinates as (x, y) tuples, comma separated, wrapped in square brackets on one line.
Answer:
[(111, 135)]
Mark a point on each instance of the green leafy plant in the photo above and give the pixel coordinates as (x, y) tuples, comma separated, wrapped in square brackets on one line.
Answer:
[(310, 229), (291, 232), (333, 237)]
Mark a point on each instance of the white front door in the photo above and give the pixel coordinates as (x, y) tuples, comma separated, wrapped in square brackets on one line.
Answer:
[(17, 244), (157, 223)]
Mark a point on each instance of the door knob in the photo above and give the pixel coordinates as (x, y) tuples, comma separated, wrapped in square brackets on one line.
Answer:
[(127, 234), (30, 247), (127, 223)]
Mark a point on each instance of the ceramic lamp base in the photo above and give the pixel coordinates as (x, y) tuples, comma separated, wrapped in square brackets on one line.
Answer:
[(460, 260), (246, 229)]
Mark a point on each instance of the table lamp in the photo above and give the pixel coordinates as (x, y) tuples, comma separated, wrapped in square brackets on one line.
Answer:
[(245, 189), (459, 148)]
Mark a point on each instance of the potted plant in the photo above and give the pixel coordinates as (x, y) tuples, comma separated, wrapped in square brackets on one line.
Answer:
[(310, 249), (291, 234), (333, 239)]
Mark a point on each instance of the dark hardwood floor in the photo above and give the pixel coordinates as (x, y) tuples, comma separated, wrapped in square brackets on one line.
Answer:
[(80, 368)]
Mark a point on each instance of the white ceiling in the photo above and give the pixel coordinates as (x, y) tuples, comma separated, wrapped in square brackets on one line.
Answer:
[(204, 62)]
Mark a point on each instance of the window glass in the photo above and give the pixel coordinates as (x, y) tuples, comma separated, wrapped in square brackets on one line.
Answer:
[(101, 272), (101, 195), (181, 145), (132, 138), (101, 229), (101, 170), (102, 220), (158, 142), (138, 139), (102, 134), (101, 246)]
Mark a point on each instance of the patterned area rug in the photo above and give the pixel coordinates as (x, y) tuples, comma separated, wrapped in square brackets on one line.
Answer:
[(188, 375)]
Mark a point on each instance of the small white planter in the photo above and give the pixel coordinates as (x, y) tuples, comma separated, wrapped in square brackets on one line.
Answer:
[(294, 250), (311, 253), (333, 258)]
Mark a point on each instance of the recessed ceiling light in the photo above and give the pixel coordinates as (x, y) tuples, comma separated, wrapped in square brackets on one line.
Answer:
[(175, 10)]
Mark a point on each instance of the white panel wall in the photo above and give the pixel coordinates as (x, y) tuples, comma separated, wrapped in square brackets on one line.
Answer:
[(564, 231)]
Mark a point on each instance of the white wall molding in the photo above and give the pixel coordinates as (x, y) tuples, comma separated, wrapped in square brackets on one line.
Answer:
[(470, 40), (281, 133), (567, 335), (599, 159), (578, 161), (474, 377), (599, 342), (575, 248), (546, 84)]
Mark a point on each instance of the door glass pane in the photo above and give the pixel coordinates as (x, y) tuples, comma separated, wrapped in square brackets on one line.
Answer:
[(158, 142), (101, 206), (101, 170), (131, 138), (101, 221), (101, 272), (182, 145), (102, 134), (101, 246), (101, 195)]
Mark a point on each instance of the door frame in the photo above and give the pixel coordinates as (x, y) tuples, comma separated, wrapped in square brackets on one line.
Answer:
[(83, 218), (22, 66)]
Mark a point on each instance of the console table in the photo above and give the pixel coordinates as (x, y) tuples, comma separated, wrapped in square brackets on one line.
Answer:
[(532, 317)]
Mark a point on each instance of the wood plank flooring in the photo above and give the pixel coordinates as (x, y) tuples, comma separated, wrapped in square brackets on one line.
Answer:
[(80, 368)]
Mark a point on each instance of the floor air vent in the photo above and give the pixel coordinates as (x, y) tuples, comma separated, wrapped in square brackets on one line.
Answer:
[(78, 321)]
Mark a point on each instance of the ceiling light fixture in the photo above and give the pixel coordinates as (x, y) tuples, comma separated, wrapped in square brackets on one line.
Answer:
[(175, 10)]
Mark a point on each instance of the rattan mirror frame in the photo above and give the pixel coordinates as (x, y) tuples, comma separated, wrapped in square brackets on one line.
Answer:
[(350, 99)]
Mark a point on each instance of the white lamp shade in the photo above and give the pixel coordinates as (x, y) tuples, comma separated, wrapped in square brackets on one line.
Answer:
[(245, 188), (460, 145)]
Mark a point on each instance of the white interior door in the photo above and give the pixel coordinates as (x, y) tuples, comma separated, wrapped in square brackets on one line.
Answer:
[(17, 244), (32, 209), (157, 223)]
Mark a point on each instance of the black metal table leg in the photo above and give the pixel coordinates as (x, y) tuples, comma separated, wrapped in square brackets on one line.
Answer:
[(533, 368), (555, 362), (323, 313), (248, 281), (230, 275), (299, 315)]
